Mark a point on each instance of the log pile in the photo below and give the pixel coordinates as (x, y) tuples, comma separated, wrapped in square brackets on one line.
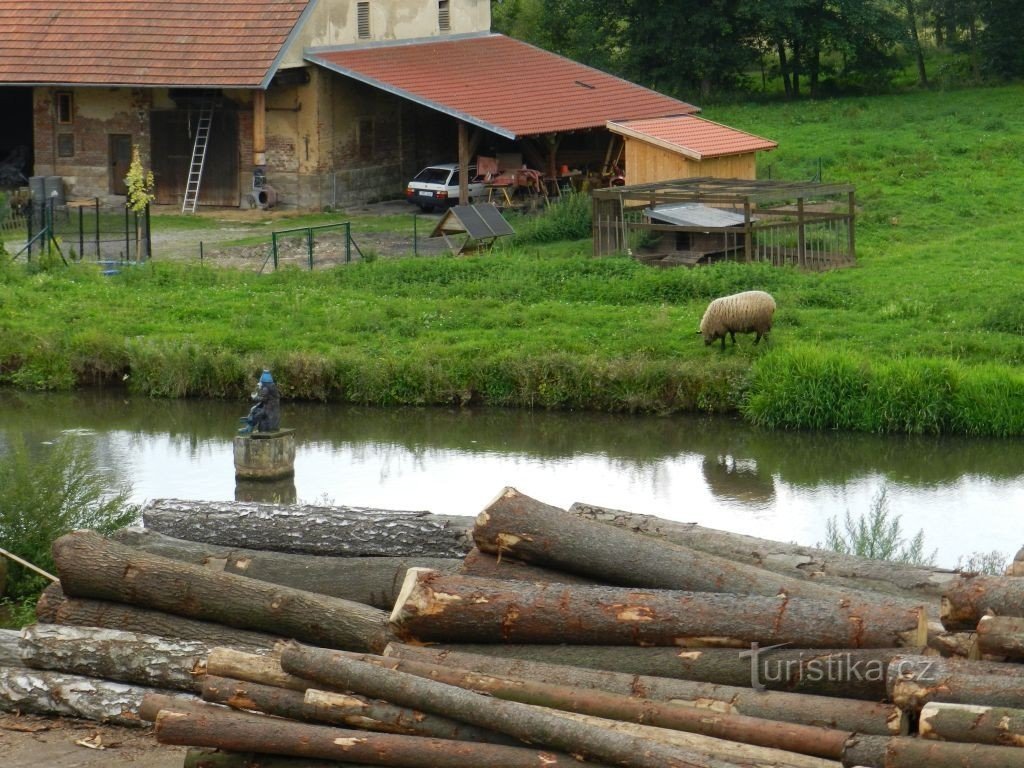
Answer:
[(532, 636)]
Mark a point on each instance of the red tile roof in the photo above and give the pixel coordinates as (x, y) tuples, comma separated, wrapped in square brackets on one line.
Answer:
[(216, 43), (500, 84), (692, 136)]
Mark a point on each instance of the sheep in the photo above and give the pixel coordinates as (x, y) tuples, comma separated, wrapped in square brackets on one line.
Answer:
[(747, 312)]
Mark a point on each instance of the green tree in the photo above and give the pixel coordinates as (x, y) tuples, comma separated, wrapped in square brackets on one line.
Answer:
[(140, 185)]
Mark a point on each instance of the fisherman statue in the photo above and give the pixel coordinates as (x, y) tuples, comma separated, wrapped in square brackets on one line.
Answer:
[(265, 415)]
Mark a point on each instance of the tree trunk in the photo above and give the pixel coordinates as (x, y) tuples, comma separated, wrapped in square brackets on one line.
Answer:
[(153, 703), (803, 709), (268, 699), (853, 674), (787, 86), (880, 752), (799, 562), (347, 531), (1017, 566), (968, 598), (742, 754), (450, 607), (33, 691), (373, 715), (225, 730), (922, 73), (527, 529), (973, 724), (10, 652), (127, 657), (54, 608), (487, 566), (916, 683), (502, 709), (369, 580), (91, 566), (1001, 636), (265, 670), (198, 757)]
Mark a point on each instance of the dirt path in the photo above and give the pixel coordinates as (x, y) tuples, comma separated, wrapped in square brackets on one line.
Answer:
[(28, 741)]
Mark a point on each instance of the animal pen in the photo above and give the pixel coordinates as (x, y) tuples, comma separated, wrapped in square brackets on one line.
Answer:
[(704, 220)]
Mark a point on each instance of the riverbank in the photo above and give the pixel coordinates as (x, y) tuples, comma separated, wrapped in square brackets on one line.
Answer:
[(924, 336)]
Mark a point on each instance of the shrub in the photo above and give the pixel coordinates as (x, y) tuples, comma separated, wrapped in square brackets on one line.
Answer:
[(570, 218), (877, 535)]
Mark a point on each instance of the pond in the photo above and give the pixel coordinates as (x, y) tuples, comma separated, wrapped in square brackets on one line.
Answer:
[(965, 494)]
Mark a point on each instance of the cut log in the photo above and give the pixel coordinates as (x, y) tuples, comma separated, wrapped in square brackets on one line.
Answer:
[(200, 757), (973, 724), (239, 694), (225, 730), (369, 580), (966, 599), (916, 683), (1016, 568), (39, 692), (127, 657), (265, 670), (487, 566), (55, 608), (10, 653), (93, 567), (373, 715), (742, 754), (527, 529), (880, 752), (313, 530), (855, 674), (1001, 636), (843, 674), (154, 702), (454, 608), (503, 709), (951, 644), (803, 709), (847, 572)]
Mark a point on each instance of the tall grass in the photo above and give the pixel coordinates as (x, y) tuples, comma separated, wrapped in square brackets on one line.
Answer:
[(877, 535)]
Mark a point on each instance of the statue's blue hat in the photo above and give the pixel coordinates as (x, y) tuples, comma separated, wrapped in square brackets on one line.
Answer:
[(266, 378)]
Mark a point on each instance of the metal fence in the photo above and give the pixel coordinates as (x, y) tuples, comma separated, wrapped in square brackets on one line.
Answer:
[(89, 231), (312, 247)]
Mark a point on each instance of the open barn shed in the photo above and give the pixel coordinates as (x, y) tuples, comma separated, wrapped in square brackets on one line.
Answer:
[(704, 220)]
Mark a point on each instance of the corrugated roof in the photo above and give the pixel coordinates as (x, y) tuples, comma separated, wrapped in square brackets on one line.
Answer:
[(201, 43), (692, 136), (500, 84), (695, 215)]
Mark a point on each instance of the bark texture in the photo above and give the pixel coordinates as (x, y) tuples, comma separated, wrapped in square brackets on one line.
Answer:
[(239, 694), (346, 531), (966, 599), (842, 673), (793, 560), (477, 563), (93, 567), (1001, 636), (55, 608), (973, 724), (238, 665), (877, 752), (127, 657), (10, 653), (504, 709), (41, 692), (451, 607), (224, 731), (200, 757), (913, 685)]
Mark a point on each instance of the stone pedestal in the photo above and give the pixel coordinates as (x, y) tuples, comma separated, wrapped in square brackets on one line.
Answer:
[(265, 455)]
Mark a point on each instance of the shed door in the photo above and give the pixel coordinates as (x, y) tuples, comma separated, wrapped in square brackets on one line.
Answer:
[(120, 161), (173, 133)]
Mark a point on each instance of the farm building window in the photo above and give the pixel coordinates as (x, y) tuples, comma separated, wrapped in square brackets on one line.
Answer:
[(65, 145), (444, 18), (363, 20), (65, 108), (366, 138)]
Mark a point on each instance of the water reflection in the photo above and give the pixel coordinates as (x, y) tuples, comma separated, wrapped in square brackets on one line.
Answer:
[(966, 494)]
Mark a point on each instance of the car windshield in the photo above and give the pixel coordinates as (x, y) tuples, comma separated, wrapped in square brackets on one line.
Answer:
[(433, 175)]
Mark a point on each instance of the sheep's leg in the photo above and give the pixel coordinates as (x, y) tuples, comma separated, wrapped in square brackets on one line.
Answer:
[(757, 337), (723, 342), (732, 335)]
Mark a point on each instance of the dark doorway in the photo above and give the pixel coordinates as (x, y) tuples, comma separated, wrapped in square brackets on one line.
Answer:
[(16, 143), (120, 161), (173, 133)]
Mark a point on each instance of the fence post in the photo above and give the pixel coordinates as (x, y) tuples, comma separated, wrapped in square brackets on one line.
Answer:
[(81, 233), (28, 223), (127, 238), (273, 240), (309, 246), (149, 239), (415, 236), (348, 241), (96, 205)]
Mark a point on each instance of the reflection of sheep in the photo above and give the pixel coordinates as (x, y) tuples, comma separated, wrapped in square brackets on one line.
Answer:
[(747, 312)]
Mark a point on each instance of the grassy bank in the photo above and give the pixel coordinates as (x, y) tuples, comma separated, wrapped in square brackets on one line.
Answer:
[(925, 335)]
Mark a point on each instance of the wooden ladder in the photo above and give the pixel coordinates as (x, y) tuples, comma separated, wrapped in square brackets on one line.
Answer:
[(195, 170)]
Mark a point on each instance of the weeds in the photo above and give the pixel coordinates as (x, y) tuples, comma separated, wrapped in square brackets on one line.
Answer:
[(877, 535)]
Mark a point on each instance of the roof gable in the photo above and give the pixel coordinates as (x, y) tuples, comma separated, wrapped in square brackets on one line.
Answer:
[(198, 43), (500, 84)]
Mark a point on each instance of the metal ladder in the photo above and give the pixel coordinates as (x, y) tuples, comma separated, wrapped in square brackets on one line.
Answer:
[(195, 170)]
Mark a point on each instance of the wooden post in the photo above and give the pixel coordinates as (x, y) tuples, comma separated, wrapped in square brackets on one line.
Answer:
[(747, 231), (259, 127), (850, 218), (463, 164), (801, 245)]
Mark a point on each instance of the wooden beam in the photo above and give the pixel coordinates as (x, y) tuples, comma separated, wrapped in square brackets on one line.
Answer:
[(463, 164), (259, 127)]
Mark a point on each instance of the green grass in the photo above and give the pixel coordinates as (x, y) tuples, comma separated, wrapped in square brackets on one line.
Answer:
[(924, 335)]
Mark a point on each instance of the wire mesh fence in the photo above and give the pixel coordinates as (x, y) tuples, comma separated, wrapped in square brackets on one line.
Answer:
[(89, 231)]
